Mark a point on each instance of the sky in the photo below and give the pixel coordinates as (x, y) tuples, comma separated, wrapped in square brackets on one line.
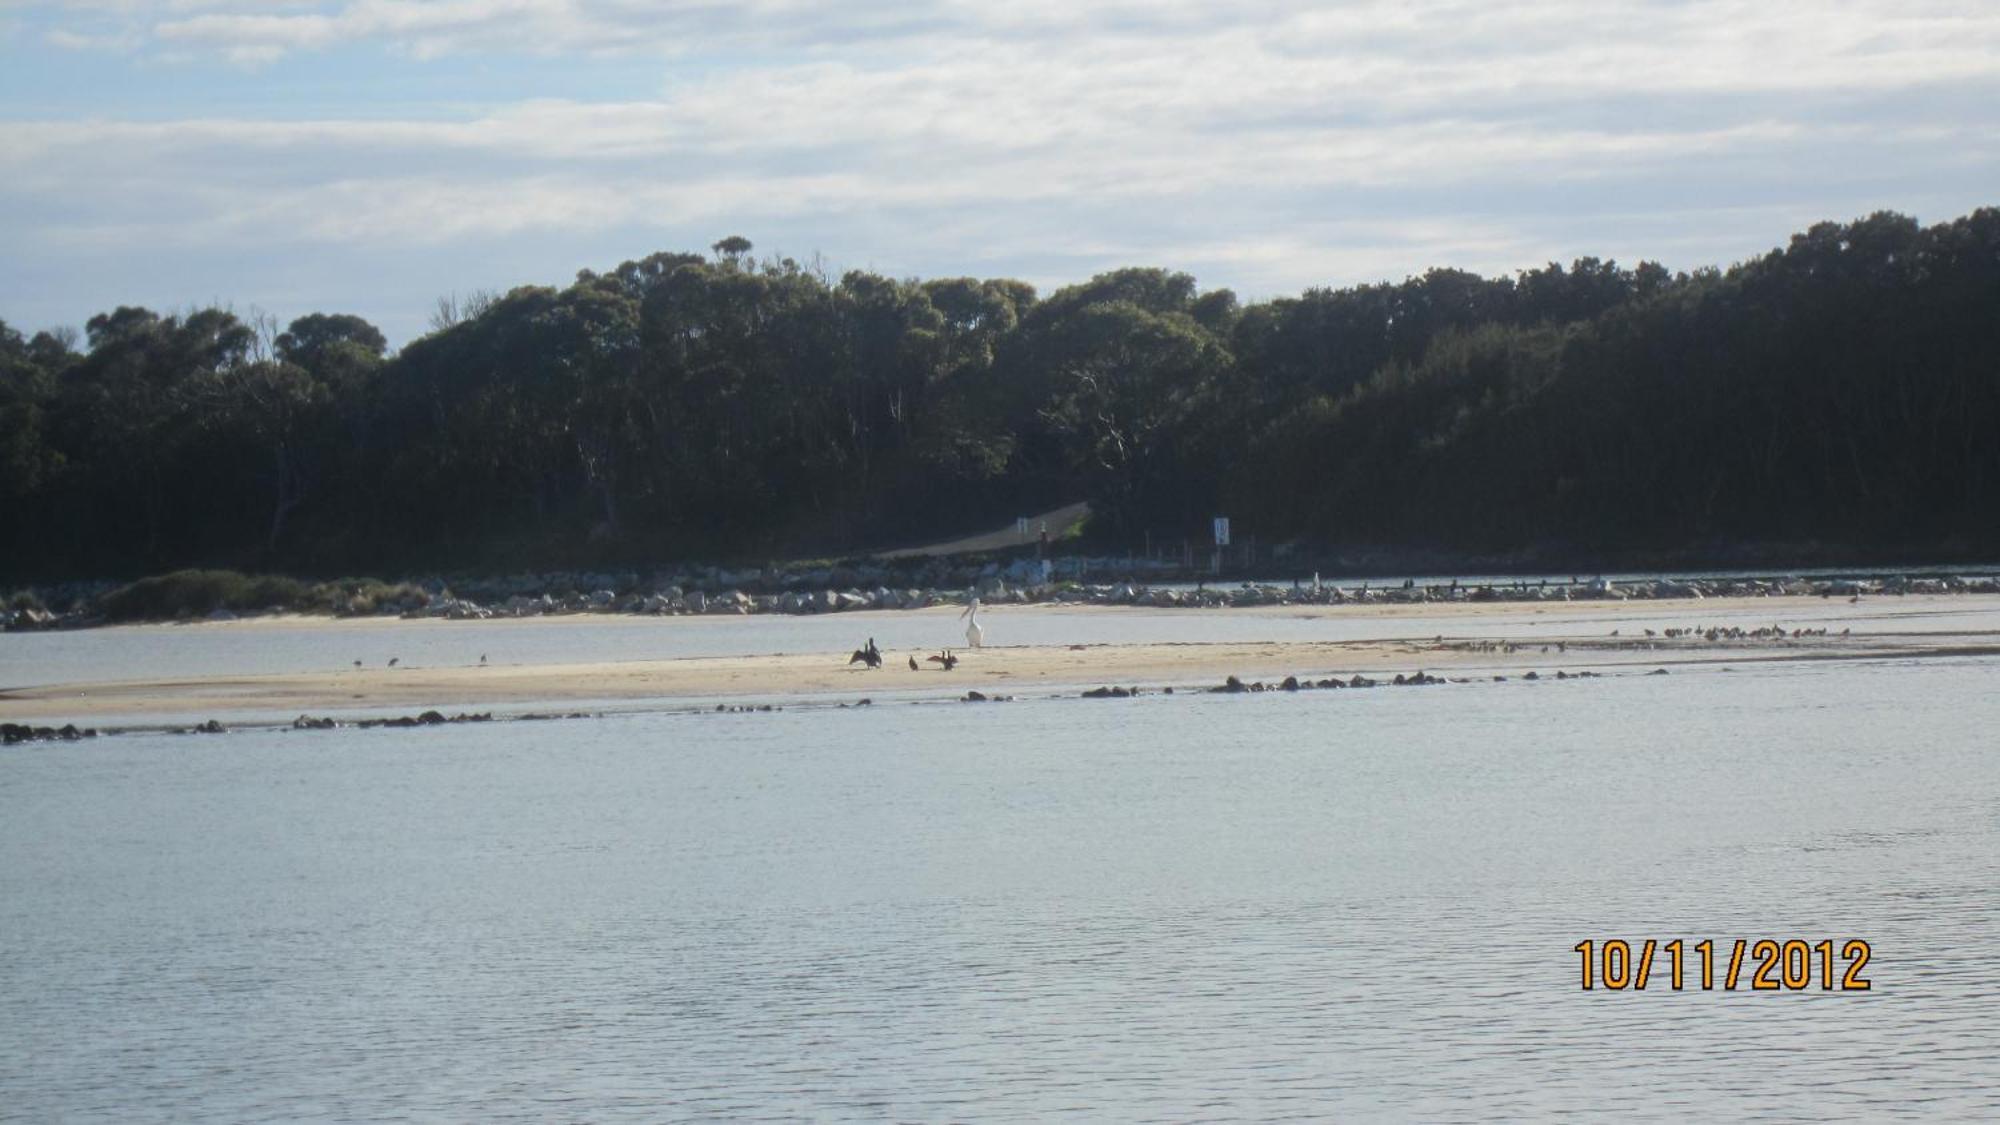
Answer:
[(370, 156)]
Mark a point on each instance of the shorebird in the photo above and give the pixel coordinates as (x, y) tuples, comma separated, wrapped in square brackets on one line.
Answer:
[(392, 661), (913, 664), (974, 635)]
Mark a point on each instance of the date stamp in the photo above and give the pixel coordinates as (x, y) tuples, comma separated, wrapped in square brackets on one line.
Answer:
[(1764, 965)]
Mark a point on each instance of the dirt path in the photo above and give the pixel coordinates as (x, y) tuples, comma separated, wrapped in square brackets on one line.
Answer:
[(1059, 522)]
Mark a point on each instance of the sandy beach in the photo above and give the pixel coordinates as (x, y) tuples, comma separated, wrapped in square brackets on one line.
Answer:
[(1598, 637)]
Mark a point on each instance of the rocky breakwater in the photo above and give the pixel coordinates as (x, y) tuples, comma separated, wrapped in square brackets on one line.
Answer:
[(627, 595), (1203, 596), (715, 591)]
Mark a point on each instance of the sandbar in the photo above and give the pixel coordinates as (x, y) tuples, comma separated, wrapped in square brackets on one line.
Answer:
[(1572, 638)]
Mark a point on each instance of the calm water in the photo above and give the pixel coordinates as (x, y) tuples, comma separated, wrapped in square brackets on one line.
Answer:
[(1358, 904)]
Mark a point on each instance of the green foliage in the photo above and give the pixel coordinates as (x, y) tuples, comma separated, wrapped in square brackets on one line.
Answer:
[(197, 593), (689, 406)]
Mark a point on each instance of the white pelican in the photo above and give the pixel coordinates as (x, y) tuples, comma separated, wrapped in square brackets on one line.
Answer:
[(974, 634)]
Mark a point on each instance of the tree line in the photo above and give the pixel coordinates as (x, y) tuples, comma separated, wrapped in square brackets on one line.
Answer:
[(1843, 389)]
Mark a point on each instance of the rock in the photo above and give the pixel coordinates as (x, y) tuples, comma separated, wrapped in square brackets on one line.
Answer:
[(37, 618), (11, 733)]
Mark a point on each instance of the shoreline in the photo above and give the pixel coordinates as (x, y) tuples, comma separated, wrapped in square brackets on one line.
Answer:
[(726, 595), (1591, 641)]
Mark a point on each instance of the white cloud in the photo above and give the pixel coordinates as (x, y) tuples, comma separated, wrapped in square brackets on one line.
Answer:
[(126, 40), (1733, 42), (1275, 145)]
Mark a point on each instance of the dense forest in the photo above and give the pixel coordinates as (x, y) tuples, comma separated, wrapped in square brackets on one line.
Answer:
[(1842, 390)]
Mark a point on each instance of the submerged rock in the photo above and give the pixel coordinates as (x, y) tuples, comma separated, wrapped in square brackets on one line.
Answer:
[(12, 733)]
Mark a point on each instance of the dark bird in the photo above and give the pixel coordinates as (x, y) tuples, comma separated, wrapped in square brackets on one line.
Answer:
[(482, 658), (913, 664), (866, 656), (945, 658), (357, 664), (392, 661)]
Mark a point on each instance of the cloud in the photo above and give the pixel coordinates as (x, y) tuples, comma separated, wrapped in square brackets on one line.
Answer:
[(1267, 146), (1761, 42), (121, 41)]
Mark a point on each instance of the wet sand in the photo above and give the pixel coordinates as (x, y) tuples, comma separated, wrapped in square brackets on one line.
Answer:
[(1571, 638)]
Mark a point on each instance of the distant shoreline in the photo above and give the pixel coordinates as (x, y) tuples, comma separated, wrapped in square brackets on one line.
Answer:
[(1616, 641), (227, 596)]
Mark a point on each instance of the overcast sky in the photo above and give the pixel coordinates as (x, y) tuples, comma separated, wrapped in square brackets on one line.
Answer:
[(369, 156)]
